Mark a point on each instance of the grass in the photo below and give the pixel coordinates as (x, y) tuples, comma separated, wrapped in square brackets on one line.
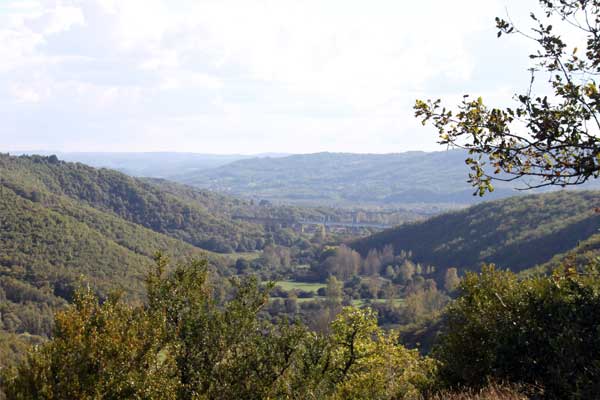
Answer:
[(356, 302), (305, 286), (313, 287)]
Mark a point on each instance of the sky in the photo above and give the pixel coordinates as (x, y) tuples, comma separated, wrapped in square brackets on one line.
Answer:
[(246, 76)]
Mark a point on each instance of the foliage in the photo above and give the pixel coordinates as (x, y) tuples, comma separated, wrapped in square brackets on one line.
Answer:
[(62, 224), (190, 343), (49, 247), (551, 138), (343, 263), (14, 347), (451, 280), (130, 199), (234, 206), (110, 351), (369, 365), (221, 352), (585, 253), (537, 331)]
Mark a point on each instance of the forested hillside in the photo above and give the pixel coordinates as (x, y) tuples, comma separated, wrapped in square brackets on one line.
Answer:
[(40, 178), (63, 225), (228, 207), (585, 253), (50, 244), (515, 233), (348, 179)]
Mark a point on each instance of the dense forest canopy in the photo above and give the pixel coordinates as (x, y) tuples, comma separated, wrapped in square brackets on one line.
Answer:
[(515, 233), (128, 198)]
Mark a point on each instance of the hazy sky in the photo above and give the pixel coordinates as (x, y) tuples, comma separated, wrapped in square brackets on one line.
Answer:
[(245, 76)]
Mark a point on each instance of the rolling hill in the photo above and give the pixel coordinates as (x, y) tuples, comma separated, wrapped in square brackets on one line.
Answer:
[(586, 253), (51, 243), (150, 164), (60, 221), (156, 165), (348, 179), (516, 233), (42, 179)]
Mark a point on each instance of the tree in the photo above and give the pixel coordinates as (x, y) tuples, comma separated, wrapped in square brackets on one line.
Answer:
[(552, 140), (291, 303), (372, 263), (334, 292), (367, 363), (389, 272), (451, 280), (407, 271), (221, 350), (387, 254), (344, 263)]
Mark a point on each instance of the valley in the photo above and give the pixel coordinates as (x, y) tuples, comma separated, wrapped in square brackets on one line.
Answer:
[(66, 224), (299, 200)]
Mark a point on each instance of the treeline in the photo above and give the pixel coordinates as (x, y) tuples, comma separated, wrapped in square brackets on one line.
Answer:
[(401, 291), (383, 266), (189, 341), (201, 218)]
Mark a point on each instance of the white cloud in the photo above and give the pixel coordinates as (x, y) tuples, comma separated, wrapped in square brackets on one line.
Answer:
[(237, 75), (24, 94)]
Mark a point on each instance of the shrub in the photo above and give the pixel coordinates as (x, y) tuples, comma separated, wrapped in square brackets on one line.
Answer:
[(540, 330)]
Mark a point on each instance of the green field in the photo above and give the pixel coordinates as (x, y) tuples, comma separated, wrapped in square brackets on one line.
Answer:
[(305, 286), (355, 303), (313, 287)]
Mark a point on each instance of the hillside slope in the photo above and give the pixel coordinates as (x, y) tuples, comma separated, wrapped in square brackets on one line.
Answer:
[(50, 244), (515, 233), (63, 225), (584, 254), (134, 200), (150, 164)]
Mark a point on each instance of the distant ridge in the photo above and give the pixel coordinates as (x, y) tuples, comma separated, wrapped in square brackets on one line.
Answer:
[(150, 164), (348, 179)]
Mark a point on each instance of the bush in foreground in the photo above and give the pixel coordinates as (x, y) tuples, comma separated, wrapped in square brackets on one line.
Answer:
[(184, 344), (536, 331)]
